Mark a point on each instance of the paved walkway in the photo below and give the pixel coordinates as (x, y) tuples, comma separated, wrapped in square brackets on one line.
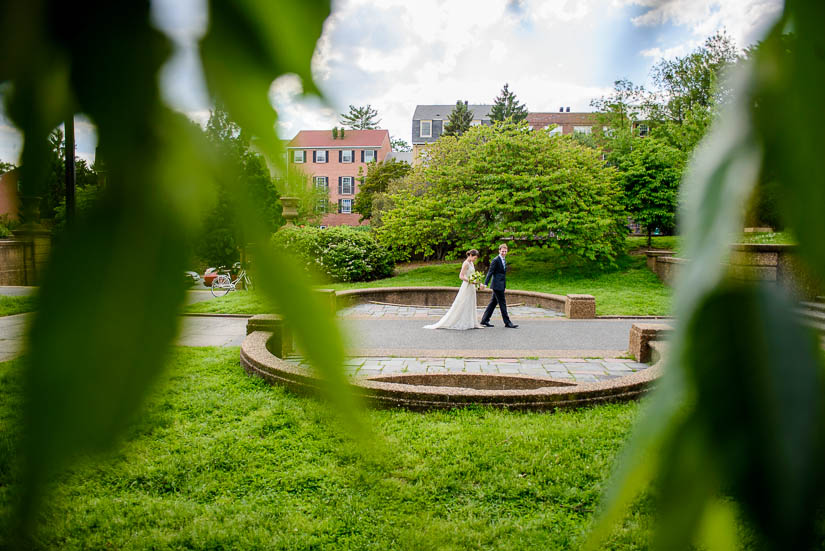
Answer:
[(573, 369), (397, 334)]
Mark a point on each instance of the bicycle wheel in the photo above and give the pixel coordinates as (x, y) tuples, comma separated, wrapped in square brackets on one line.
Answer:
[(221, 285)]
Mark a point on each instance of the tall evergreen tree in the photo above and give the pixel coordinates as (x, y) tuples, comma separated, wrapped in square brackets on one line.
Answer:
[(360, 118), (459, 121), (507, 107)]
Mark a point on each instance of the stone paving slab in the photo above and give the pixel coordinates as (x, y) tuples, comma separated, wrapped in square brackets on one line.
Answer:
[(597, 369)]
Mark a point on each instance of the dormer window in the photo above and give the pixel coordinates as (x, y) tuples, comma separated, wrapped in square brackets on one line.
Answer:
[(426, 129)]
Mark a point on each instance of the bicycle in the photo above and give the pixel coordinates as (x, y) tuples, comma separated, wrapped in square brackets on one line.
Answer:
[(223, 284)]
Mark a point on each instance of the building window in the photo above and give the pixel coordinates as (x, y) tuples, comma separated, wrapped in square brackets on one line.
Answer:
[(347, 155), (556, 131), (321, 182), (346, 206), (643, 130), (582, 129), (425, 129), (299, 156), (346, 185), (321, 206), (323, 227), (320, 156), (369, 156), (475, 122)]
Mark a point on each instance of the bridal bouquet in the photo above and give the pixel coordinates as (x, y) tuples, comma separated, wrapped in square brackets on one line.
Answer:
[(477, 279)]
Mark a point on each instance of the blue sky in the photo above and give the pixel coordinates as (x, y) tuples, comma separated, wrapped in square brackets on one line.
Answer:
[(395, 54)]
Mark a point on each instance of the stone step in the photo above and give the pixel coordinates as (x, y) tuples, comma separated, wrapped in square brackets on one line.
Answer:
[(658, 349), (816, 306)]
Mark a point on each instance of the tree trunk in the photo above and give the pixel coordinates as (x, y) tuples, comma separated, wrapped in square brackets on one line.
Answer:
[(649, 238)]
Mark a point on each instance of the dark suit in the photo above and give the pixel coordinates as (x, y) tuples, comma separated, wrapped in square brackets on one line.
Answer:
[(498, 273)]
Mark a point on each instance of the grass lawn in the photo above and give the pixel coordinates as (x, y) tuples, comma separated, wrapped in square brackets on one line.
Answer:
[(10, 305), (629, 289), (219, 460)]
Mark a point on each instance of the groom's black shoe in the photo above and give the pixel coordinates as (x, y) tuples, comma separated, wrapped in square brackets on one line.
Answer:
[(510, 325), (487, 324)]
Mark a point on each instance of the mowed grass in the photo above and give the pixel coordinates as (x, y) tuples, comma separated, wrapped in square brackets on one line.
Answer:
[(627, 289), (11, 305), (220, 460)]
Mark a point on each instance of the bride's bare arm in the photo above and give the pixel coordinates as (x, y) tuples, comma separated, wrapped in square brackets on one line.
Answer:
[(462, 275)]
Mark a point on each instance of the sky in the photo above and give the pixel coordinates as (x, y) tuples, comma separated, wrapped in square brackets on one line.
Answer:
[(396, 54)]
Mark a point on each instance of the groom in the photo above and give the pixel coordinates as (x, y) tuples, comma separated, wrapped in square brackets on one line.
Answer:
[(498, 273)]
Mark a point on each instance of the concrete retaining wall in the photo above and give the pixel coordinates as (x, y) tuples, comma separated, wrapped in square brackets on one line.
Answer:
[(573, 306), (23, 257), (777, 264)]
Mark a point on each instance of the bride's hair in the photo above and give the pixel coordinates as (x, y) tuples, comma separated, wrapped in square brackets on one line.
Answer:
[(472, 252)]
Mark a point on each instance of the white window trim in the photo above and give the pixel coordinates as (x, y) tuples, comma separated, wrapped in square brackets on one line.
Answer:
[(370, 152), (295, 156), (326, 156), (582, 129), (556, 131), (351, 156), (319, 179), (344, 184), (346, 206), (421, 129)]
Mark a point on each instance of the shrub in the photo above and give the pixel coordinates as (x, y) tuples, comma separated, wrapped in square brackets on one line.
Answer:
[(341, 253)]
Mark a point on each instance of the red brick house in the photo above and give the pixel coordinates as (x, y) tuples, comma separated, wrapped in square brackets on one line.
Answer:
[(334, 163), (566, 122)]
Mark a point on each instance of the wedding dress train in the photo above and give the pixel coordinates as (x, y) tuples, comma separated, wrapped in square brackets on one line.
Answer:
[(462, 314)]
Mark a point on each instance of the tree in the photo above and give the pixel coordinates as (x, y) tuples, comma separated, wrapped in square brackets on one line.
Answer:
[(623, 108), (398, 144), (459, 121), (55, 192), (507, 107), (360, 118), (688, 91), (506, 181), (650, 175), (376, 181), (6, 167), (221, 243)]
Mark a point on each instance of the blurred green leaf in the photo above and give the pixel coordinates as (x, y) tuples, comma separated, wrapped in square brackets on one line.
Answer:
[(250, 43), (760, 403), (99, 339)]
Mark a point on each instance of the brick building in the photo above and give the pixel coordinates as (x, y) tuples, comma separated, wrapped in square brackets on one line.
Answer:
[(428, 123), (333, 164)]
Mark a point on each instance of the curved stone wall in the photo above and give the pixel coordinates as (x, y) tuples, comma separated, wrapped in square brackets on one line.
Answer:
[(573, 306), (445, 390)]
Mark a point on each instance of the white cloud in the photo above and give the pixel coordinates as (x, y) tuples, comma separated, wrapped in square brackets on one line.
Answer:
[(745, 20)]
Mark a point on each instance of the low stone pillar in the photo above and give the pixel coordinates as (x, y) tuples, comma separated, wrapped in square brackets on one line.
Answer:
[(640, 336), (281, 342), (654, 256), (580, 307), (330, 297)]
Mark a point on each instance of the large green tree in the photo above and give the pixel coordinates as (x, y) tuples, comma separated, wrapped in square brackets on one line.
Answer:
[(376, 181), (223, 237), (360, 118), (507, 107), (459, 121), (650, 174), (506, 181)]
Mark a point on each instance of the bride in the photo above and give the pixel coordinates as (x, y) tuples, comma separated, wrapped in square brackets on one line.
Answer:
[(462, 314)]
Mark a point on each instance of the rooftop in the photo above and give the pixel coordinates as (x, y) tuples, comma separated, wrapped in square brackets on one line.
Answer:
[(352, 138), (439, 112)]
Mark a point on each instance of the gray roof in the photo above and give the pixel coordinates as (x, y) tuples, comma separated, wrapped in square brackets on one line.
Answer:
[(406, 156), (442, 112)]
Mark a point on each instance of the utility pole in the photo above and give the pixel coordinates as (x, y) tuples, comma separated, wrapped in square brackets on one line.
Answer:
[(70, 172)]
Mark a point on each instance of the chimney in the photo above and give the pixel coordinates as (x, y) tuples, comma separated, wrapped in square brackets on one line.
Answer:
[(568, 109)]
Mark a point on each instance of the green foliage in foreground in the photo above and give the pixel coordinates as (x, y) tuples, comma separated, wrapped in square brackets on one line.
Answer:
[(630, 289), (17, 305), (220, 460)]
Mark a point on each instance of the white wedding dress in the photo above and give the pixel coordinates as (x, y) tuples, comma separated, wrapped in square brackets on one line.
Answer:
[(462, 314)]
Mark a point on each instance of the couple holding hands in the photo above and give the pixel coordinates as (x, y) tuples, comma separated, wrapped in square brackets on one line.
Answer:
[(462, 314)]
